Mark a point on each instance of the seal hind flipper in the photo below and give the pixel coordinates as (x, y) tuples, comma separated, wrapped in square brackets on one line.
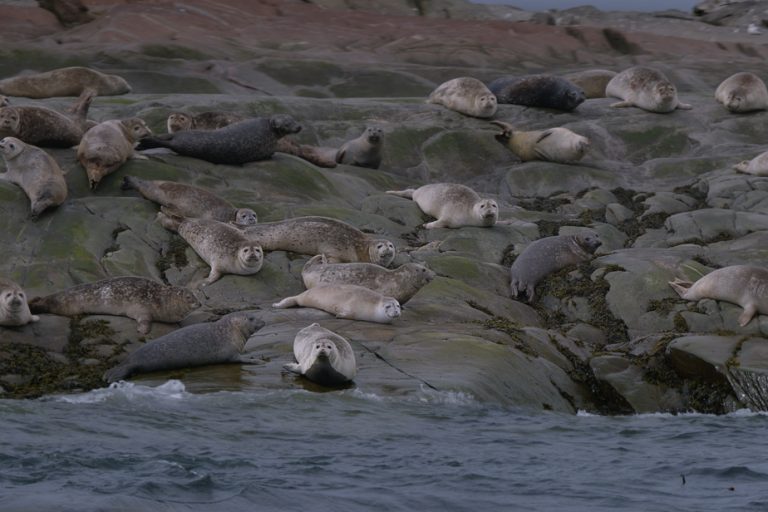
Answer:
[(169, 221), (119, 372), (157, 141), (680, 286), (287, 302), (293, 367), (622, 104), (407, 193)]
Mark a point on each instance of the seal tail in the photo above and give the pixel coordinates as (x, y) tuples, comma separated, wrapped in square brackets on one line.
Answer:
[(506, 131), (159, 141), (83, 103), (168, 220), (131, 183), (407, 193), (119, 372), (681, 286), (287, 302)]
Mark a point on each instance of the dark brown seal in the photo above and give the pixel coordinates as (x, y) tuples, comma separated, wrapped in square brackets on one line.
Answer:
[(547, 91)]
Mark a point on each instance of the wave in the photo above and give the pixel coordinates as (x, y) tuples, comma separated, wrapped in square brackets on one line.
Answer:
[(172, 389)]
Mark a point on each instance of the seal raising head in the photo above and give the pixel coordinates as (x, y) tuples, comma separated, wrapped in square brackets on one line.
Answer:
[(453, 205), (323, 356), (14, 310)]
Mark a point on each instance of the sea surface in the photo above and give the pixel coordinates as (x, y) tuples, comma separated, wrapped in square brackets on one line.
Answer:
[(135, 447)]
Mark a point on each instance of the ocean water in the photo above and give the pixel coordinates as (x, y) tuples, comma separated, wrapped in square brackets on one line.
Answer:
[(134, 447)]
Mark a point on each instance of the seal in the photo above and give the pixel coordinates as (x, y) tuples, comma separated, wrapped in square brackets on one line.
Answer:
[(465, 95), (139, 298), (547, 91), (364, 151), (547, 255), (14, 310), (181, 200), (216, 342), (346, 301), (645, 88), (71, 81), (222, 246), (4, 101), (745, 285), (321, 156), (239, 143), (559, 144), (401, 283), (181, 121), (36, 172), (757, 166), (108, 145), (591, 81), (453, 205), (742, 92), (323, 356)]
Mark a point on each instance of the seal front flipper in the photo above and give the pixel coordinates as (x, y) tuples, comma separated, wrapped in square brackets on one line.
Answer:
[(622, 104), (158, 141), (749, 311), (293, 367), (684, 106)]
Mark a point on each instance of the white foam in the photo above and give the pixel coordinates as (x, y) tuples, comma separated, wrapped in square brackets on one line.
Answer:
[(172, 389)]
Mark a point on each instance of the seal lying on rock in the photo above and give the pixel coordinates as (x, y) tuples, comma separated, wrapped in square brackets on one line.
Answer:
[(553, 145), (591, 81), (180, 121), (401, 283), (4, 101), (346, 301), (364, 151), (217, 342), (645, 88), (453, 205), (547, 91), (181, 200), (745, 285), (239, 143), (70, 81), (323, 356), (742, 92), (108, 145), (547, 255), (14, 310), (142, 299), (757, 166), (36, 172), (465, 95)]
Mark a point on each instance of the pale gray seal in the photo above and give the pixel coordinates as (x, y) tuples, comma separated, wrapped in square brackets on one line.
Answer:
[(757, 166), (36, 172), (216, 342), (745, 285), (142, 299), (239, 143), (14, 310), (591, 81), (465, 95), (547, 255), (181, 200), (364, 151), (552, 145), (453, 205), (346, 301), (547, 91), (108, 145), (4, 101), (645, 88), (742, 92), (180, 121), (401, 283), (323, 357), (70, 81)]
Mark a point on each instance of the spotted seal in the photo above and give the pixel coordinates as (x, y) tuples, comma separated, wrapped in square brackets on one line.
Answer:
[(645, 88), (547, 91), (558, 144), (364, 151), (742, 92), (453, 205), (465, 95), (108, 145), (14, 310), (323, 356), (71, 81), (346, 301)]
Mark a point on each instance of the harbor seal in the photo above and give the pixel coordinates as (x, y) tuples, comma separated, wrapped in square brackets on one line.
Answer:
[(222, 246), (71, 81), (323, 356), (4, 101), (216, 342), (465, 95), (453, 205), (181, 121), (36, 172), (239, 143), (14, 310), (757, 166), (401, 283), (364, 151), (346, 301), (139, 298), (745, 285), (547, 91), (645, 88), (108, 145), (321, 156), (547, 255), (591, 81), (559, 144), (181, 200), (742, 92)]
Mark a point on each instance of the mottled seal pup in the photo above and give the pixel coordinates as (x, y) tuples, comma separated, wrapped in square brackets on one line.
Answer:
[(36, 172), (547, 91), (552, 145), (323, 357), (346, 301), (14, 310), (745, 285), (216, 342), (465, 95), (742, 92), (70, 81), (645, 88), (239, 143), (757, 166), (401, 283), (453, 205), (180, 121), (108, 145), (547, 255), (591, 81), (222, 246), (142, 299), (364, 151)]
